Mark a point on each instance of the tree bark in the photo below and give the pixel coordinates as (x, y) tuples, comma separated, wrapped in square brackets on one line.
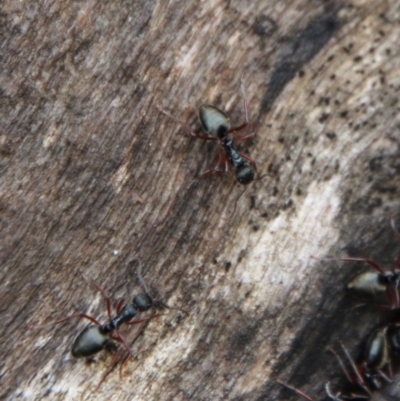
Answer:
[(95, 180)]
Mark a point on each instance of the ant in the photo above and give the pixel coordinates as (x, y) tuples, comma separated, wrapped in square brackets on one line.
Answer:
[(369, 375), (94, 338), (218, 128), (379, 280)]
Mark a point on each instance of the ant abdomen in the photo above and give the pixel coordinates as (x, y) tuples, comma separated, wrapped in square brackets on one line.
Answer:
[(369, 283), (214, 121), (377, 351), (90, 341)]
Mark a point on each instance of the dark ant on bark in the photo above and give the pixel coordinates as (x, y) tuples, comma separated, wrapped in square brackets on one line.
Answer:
[(374, 369), (378, 281), (94, 338), (218, 128)]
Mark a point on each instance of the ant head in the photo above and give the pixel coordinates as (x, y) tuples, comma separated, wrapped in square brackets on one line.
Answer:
[(142, 302), (245, 175)]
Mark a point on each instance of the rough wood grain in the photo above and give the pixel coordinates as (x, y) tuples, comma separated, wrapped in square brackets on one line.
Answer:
[(94, 179)]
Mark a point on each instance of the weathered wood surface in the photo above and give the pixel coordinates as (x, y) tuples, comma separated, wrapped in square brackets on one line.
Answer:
[(82, 143)]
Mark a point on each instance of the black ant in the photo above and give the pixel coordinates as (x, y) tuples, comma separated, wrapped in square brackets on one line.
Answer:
[(370, 374), (93, 339), (217, 124), (378, 281)]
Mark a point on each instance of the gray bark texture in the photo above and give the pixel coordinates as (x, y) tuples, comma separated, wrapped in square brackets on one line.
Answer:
[(95, 180)]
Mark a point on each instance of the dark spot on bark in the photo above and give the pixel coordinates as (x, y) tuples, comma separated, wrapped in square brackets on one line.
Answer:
[(343, 114), (331, 135), (304, 46), (242, 338), (228, 266), (323, 117), (264, 26)]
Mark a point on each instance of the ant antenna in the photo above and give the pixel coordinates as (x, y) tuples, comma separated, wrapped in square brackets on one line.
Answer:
[(236, 201), (156, 302), (141, 281), (256, 179), (329, 393), (161, 303), (302, 393)]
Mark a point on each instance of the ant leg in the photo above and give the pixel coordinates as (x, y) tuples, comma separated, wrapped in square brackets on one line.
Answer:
[(112, 365), (246, 114), (119, 305), (187, 128), (122, 363), (215, 170), (102, 292), (250, 160), (369, 261), (78, 314), (145, 319), (360, 380), (244, 97), (392, 223), (121, 339), (306, 396), (238, 128), (141, 281), (329, 393), (242, 137)]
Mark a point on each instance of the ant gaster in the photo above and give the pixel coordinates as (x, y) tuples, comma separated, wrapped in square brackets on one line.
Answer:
[(218, 127), (378, 281)]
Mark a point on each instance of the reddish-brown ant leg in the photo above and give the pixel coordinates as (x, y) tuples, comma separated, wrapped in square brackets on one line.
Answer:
[(102, 292), (145, 319), (368, 261), (238, 128), (360, 379), (303, 394), (119, 305), (242, 137), (120, 339), (77, 314), (250, 160), (217, 164)]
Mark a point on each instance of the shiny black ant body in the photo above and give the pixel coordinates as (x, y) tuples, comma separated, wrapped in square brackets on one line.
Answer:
[(369, 375), (93, 339), (218, 128)]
